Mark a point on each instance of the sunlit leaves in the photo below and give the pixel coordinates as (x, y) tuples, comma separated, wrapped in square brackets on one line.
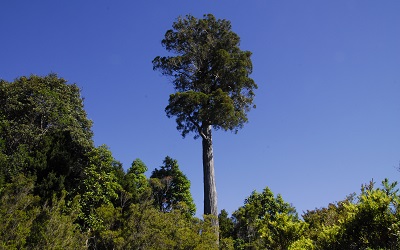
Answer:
[(148, 228), (369, 222), (136, 183), (99, 185), (282, 231), (266, 221)]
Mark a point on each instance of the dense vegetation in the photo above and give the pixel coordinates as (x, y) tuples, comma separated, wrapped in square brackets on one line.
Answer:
[(59, 191)]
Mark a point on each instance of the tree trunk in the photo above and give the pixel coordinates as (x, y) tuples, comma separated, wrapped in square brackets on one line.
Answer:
[(210, 190)]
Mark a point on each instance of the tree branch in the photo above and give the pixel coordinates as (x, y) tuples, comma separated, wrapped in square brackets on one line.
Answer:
[(198, 128)]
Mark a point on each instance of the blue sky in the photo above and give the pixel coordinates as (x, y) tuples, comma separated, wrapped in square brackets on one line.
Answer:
[(328, 103)]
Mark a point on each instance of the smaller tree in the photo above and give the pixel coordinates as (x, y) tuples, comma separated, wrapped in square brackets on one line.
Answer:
[(99, 185), (124, 197), (266, 221), (226, 225), (171, 188), (226, 230), (136, 183)]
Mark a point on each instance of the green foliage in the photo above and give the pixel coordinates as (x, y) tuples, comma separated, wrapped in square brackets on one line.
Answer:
[(266, 221), (226, 244), (18, 210), (372, 222), (25, 224), (226, 225), (54, 228), (302, 244), (136, 183), (210, 74), (124, 197), (57, 191), (99, 185), (282, 231), (171, 188), (148, 228), (44, 132), (109, 234), (323, 223), (369, 222)]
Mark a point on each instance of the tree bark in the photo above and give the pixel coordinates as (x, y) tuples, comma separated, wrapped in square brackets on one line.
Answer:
[(210, 190)]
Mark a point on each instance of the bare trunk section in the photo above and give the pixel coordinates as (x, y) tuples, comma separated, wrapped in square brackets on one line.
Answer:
[(210, 190)]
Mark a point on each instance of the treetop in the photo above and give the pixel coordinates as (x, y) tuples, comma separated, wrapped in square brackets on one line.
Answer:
[(210, 74)]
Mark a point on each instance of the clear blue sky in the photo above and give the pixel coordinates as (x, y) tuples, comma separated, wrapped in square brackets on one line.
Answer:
[(328, 103)]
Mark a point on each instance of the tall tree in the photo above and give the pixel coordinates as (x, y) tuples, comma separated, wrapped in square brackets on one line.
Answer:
[(171, 188), (210, 74)]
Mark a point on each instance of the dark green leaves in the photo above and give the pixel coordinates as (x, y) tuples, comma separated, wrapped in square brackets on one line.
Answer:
[(210, 75), (196, 109), (171, 188), (44, 132)]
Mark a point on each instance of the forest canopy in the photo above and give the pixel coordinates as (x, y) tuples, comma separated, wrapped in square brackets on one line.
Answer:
[(59, 191)]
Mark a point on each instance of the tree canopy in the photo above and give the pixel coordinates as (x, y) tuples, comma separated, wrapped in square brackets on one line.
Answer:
[(210, 74), (59, 191), (44, 132)]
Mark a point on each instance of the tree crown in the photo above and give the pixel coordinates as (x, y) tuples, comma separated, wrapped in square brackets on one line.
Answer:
[(210, 74)]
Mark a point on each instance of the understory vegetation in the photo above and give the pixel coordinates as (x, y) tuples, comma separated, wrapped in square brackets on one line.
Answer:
[(59, 191)]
